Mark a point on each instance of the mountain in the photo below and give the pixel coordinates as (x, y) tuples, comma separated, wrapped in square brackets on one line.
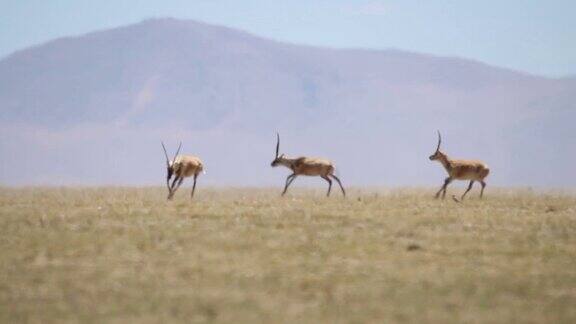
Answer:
[(93, 109)]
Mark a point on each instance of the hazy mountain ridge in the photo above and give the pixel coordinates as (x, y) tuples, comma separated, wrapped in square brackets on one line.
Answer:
[(209, 84)]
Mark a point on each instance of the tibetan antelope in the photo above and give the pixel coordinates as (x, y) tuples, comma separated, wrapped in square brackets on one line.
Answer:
[(472, 170), (306, 166), (181, 166)]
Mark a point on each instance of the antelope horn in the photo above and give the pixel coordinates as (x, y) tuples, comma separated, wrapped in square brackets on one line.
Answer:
[(178, 151), (439, 141), (167, 166), (166, 154), (277, 143)]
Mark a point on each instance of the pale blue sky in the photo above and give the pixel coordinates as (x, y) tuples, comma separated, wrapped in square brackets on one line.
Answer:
[(535, 36)]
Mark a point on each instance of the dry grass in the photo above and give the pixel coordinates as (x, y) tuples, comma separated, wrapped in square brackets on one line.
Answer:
[(125, 254)]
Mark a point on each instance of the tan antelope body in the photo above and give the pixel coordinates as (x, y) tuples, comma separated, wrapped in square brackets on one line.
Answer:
[(306, 166), (181, 166), (472, 170)]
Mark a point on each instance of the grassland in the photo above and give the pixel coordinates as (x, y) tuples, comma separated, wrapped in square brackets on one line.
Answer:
[(246, 255)]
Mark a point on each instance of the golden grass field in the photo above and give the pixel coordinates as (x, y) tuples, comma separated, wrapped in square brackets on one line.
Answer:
[(126, 255)]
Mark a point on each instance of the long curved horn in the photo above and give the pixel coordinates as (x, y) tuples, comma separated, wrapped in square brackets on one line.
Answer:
[(277, 144), (178, 151), (166, 154), (168, 176), (439, 141)]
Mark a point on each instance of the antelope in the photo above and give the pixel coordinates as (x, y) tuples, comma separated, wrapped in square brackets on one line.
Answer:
[(472, 170), (181, 166), (306, 166)]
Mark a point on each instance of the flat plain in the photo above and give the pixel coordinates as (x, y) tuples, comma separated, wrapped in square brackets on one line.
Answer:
[(246, 255)]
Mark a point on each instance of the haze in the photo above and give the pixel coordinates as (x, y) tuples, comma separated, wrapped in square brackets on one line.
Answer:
[(93, 108)]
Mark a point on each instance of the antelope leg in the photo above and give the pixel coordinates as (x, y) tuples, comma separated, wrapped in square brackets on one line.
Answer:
[(339, 183), (469, 187), (193, 186), (329, 184), (482, 190), (289, 180)]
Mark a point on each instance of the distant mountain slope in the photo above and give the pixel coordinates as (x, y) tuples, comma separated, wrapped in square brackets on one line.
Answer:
[(93, 108)]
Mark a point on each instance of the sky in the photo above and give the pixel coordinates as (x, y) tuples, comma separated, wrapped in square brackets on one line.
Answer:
[(532, 36)]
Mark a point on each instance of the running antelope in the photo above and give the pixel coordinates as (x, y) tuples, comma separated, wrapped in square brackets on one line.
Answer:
[(181, 166), (472, 170), (306, 166)]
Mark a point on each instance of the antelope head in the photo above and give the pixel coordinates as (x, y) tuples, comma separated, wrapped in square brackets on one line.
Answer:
[(279, 158), (170, 164), (438, 155)]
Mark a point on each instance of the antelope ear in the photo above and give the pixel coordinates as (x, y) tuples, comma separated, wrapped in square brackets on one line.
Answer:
[(281, 155)]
